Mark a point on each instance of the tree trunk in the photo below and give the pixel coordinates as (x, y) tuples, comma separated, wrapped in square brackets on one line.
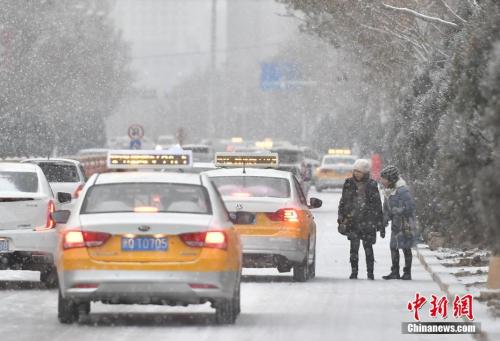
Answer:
[(494, 272)]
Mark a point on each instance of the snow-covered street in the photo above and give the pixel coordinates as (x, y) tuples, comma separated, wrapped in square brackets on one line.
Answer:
[(273, 306)]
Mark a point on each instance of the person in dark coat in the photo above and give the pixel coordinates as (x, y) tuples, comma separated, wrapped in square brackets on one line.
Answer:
[(360, 210), (399, 208)]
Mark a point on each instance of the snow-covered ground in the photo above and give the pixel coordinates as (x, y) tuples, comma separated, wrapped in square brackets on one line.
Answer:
[(273, 307)]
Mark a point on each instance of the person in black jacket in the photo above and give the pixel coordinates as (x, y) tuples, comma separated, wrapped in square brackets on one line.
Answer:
[(360, 210)]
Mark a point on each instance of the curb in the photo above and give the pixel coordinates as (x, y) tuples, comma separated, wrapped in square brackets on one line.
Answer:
[(449, 285)]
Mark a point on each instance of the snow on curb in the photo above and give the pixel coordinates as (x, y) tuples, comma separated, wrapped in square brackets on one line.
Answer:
[(490, 328)]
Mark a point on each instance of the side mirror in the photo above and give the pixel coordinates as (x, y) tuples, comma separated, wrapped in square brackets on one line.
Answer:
[(61, 217), (63, 197), (315, 203), (242, 218)]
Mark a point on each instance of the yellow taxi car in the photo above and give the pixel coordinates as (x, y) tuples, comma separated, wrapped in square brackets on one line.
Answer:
[(148, 238), (270, 211), (335, 167)]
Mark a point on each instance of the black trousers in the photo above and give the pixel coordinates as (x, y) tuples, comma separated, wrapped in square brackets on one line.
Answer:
[(370, 259), (395, 260)]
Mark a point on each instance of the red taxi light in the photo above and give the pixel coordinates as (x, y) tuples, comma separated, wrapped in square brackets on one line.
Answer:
[(284, 214), (210, 239), (76, 238)]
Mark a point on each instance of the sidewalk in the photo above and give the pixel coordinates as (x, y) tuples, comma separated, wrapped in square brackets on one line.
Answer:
[(460, 278)]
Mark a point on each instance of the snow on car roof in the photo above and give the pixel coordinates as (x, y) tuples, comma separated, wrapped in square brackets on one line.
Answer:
[(18, 167), (118, 177), (272, 173), (54, 160)]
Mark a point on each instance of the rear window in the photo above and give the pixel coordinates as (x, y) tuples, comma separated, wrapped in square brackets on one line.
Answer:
[(290, 156), (147, 197), (336, 160), (26, 182), (57, 172), (252, 186)]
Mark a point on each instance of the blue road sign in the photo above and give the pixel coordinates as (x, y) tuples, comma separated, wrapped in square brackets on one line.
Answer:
[(278, 76), (135, 144)]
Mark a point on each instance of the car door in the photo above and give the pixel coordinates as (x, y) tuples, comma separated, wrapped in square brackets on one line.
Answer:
[(310, 223)]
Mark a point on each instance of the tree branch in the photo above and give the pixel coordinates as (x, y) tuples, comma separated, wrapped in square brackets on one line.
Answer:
[(445, 4), (420, 15)]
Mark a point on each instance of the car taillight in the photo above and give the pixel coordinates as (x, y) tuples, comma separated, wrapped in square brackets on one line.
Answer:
[(212, 239), (51, 208), (284, 214), (77, 192), (76, 238)]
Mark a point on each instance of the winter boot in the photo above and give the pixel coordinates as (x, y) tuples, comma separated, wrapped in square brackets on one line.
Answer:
[(392, 275), (354, 275), (371, 276), (406, 276)]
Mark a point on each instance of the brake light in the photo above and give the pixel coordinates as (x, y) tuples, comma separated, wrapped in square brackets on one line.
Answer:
[(77, 192), (241, 194), (284, 214), (50, 224), (146, 209), (211, 239), (76, 238), (202, 286)]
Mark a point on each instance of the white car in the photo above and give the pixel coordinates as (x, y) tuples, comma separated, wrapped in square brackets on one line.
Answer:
[(273, 217), (27, 230), (64, 175)]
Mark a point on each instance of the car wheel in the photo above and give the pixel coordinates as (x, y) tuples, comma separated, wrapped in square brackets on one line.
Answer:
[(301, 271), (48, 277), (67, 310), (319, 189), (226, 311)]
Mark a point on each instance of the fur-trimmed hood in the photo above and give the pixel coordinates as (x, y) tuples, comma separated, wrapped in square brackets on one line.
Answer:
[(391, 191)]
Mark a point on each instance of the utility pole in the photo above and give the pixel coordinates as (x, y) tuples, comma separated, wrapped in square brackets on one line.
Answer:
[(213, 66)]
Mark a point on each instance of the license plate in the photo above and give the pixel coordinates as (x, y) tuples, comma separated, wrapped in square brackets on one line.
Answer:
[(4, 245), (144, 244)]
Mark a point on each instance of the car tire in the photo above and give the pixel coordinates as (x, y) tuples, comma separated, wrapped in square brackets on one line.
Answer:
[(301, 271), (48, 276), (67, 310), (226, 311), (319, 189)]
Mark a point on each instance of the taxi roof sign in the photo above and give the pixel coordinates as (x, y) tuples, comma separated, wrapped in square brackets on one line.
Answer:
[(334, 151), (149, 159), (247, 160)]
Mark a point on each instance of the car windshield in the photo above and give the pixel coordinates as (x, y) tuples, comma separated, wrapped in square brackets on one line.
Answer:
[(26, 182), (290, 156), (146, 197), (334, 160), (59, 172), (252, 186)]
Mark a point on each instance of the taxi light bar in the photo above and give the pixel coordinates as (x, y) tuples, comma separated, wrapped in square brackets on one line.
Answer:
[(150, 159), (209, 239), (76, 239), (252, 160), (334, 151)]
